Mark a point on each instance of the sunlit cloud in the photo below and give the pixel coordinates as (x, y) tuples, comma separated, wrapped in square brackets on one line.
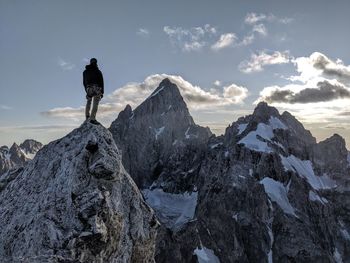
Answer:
[(321, 83), (318, 64), (134, 93), (217, 83), (259, 60), (225, 40), (254, 18)]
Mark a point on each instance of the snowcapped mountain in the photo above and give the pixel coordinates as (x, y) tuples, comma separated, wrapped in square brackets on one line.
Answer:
[(17, 155), (265, 191), (74, 202)]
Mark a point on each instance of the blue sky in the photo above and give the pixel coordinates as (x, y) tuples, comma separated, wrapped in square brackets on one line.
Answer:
[(226, 55)]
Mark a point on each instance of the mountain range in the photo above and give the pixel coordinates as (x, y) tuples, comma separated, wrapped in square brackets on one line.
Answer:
[(158, 187)]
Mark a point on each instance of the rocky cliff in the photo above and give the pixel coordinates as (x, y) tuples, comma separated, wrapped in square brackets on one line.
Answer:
[(74, 202)]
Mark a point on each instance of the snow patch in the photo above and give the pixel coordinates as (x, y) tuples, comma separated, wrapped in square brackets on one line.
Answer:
[(206, 255), (256, 140), (316, 198), (235, 217), (7, 156), (156, 92), (242, 127), (269, 255), (215, 145), (305, 170), (277, 192), (337, 257), (343, 231), (27, 155), (276, 123), (186, 133), (173, 210), (159, 132)]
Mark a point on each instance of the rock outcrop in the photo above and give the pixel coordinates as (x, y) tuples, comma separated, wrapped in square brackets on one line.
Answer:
[(74, 202)]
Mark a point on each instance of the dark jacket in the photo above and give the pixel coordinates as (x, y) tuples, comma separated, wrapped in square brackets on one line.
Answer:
[(92, 75)]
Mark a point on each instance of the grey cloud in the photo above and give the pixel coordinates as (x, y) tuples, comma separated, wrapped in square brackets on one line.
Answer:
[(325, 91), (344, 113), (332, 69)]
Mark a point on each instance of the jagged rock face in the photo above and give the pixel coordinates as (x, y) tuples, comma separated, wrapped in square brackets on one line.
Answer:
[(331, 156), (159, 139), (260, 198), (265, 191), (74, 202), (17, 156)]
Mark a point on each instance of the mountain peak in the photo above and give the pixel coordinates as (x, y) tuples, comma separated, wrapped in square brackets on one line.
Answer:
[(165, 98), (165, 82), (264, 110), (165, 87), (31, 146)]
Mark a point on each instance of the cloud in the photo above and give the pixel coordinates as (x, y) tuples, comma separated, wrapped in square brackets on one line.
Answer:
[(254, 18), (192, 39), (217, 83), (235, 92), (247, 40), (323, 92), (143, 32), (318, 64), (226, 40), (134, 93), (258, 61), (5, 107), (321, 83), (65, 65), (260, 29)]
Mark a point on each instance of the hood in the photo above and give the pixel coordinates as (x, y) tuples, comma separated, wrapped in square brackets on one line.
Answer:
[(91, 66)]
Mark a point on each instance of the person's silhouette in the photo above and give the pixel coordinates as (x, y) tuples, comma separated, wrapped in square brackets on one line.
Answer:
[(93, 83)]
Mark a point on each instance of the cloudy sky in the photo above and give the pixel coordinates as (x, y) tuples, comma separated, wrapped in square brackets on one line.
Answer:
[(224, 55)]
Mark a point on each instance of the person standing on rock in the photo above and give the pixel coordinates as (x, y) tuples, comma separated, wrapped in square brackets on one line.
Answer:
[(93, 84)]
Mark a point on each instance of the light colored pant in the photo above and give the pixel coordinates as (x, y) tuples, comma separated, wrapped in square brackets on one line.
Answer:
[(96, 99)]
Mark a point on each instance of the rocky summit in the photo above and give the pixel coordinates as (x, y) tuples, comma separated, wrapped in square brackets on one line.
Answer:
[(265, 191), (74, 202)]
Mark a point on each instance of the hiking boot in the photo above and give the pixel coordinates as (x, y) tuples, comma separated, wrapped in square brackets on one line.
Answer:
[(94, 122), (87, 117)]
